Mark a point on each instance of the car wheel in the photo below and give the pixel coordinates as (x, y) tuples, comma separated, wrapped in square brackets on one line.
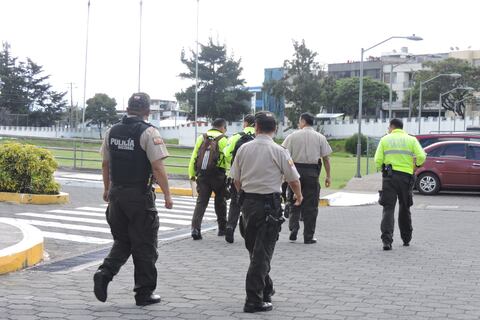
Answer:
[(428, 183)]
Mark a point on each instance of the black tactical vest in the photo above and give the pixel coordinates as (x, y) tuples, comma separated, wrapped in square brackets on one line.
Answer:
[(129, 165)]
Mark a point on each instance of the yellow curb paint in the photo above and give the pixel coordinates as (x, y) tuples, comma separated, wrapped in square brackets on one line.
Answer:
[(177, 191), (26, 253), (26, 198), (323, 203)]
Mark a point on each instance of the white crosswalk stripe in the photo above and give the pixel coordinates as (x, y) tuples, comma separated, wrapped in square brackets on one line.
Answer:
[(87, 224)]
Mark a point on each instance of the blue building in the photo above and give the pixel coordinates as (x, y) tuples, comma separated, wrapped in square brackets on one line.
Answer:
[(263, 101)]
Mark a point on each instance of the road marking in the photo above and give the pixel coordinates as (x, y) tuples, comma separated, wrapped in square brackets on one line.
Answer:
[(65, 226), (91, 209), (55, 217), (75, 238), (80, 213), (173, 221), (442, 207), (74, 226)]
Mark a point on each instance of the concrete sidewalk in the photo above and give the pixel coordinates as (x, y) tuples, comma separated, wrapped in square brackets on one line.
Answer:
[(345, 276)]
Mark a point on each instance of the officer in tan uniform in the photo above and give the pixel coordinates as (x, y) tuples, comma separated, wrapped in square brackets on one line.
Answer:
[(133, 154), (258, 171), (308, 148)]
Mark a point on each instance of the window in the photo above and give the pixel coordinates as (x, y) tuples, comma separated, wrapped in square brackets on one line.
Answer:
[(435, 152), (473, 153), (454, 150)]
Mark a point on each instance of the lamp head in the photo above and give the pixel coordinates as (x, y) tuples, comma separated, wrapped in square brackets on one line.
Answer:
[(455, 75), (413, 37)]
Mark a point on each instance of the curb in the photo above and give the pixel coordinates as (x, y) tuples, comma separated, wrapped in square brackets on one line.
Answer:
[(26, 253), (177, 191), (27, 198)]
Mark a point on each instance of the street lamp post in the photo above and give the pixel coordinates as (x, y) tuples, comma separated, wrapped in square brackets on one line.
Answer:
[(451, 75), (140, 47), (196, 76), (360, 95), (85, 74)]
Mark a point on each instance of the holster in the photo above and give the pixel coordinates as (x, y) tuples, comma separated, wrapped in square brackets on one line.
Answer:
[(387, 170)]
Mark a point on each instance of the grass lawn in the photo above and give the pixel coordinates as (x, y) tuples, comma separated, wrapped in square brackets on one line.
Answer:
[(343, 164)]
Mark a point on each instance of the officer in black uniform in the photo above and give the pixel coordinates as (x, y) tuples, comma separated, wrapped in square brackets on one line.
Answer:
[(258, 171), (132, 151)]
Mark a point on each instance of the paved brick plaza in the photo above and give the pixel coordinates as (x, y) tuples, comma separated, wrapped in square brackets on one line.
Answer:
[(345, 276)]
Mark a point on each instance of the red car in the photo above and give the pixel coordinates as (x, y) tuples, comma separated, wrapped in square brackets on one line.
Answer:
[(431, 138), (450, 165)]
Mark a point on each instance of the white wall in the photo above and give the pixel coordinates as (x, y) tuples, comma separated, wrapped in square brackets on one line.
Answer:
[(378, 128), (50, 132)]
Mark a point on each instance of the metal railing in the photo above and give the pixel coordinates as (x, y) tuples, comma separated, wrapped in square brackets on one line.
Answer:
[(85, 153)]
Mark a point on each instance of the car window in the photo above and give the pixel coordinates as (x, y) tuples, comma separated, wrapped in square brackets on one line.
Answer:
[(454, 150), (475, 139), (434, 152), (425, 142), (473, 152)]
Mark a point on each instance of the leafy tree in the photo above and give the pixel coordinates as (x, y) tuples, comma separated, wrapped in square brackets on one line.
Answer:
[(220, 88), (346, 95), (101, 111), (301, 85), (431, 91), (25, 90)]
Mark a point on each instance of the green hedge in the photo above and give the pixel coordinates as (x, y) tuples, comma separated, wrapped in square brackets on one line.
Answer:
[(27, 169)]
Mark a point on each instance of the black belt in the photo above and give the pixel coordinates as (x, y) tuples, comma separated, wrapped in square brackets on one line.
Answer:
[(307, 165), (130, 186), (262, 196), (401, 173)]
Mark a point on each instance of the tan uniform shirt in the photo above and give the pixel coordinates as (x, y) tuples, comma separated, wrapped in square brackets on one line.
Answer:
[(150, 141), (307, 146), (260, 166)]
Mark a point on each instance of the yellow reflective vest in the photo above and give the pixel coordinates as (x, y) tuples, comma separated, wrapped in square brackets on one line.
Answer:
[(400, 150)]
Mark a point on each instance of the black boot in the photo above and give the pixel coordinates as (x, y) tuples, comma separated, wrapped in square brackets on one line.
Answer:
[(196, 234), (229, 235), (145, 300), (100, 285), (252, 307)]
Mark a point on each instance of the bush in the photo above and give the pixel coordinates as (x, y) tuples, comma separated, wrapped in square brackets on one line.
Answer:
[(351, 144), (26, 168)]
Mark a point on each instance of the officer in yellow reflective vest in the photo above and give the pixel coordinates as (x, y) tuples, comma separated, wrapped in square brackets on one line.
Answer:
[(397, 155)]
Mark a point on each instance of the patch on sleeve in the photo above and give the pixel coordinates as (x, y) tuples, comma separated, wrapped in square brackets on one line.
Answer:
[(157, 141), (290, 162)]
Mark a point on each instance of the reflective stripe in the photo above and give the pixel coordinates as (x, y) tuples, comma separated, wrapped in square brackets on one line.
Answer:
[(399, 152)]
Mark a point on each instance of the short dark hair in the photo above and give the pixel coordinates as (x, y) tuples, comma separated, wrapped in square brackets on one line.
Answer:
[(250, 119), (219, 123), (308, 118), (397, 123), (265, 122), (139, 101)]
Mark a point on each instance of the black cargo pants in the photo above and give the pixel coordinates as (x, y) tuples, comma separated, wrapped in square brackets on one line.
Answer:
[(134, 224), (260, 238), (206, 184), (234, 209), (399, 185), (309, 208)]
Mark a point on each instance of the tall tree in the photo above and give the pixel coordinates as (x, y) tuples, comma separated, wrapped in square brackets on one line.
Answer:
[(301, 86), (26, 91), (431, 91), (101, 111), (346, 97), (220, 88)]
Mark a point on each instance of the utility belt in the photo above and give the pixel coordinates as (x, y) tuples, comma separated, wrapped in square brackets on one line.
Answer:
[(387, 172), (141, 186), (272, 205), (216, 171), (316, 167)]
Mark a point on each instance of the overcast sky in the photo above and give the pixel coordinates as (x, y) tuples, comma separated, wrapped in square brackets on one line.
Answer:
[(53, 32)]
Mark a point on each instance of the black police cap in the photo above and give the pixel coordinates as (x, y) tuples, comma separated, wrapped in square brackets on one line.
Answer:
[(250, 119), (139, 101)]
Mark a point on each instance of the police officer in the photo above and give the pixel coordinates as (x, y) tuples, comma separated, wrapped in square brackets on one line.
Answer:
[(308, 148), (211, 179), (132, 152), (258, 171), (397, 155), (233, 141)]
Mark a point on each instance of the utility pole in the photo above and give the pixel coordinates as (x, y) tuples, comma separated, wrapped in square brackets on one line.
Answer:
[(140, 47), (72, 114)]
